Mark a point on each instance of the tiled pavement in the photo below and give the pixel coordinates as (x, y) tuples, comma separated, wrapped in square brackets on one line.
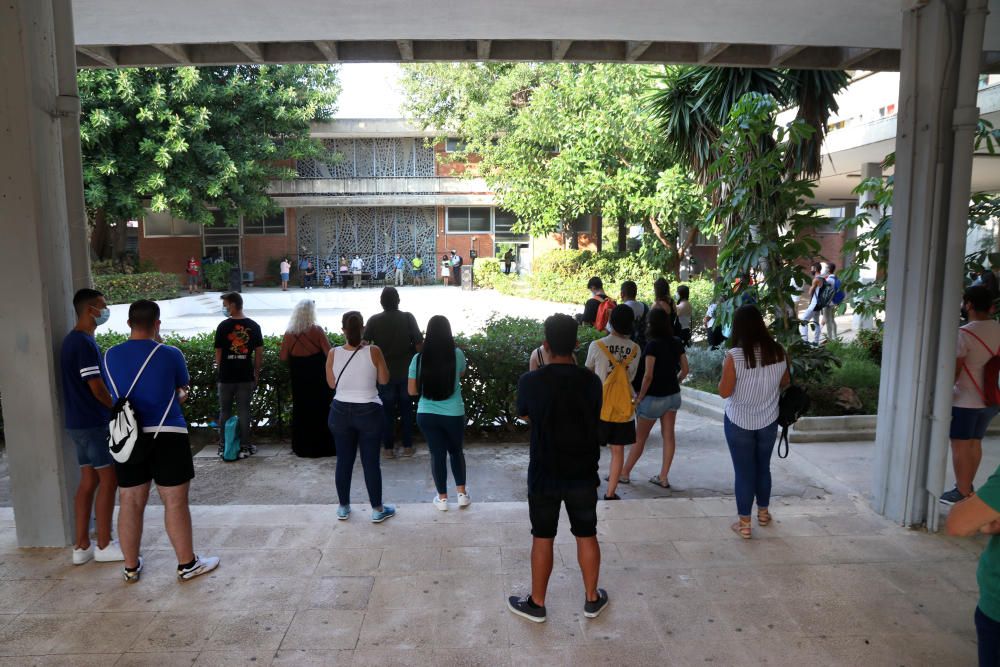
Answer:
[(829, 583)]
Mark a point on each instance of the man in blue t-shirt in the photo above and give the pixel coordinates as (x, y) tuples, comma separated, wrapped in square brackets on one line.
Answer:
[(155, 379), (85, 406), (562, 402)]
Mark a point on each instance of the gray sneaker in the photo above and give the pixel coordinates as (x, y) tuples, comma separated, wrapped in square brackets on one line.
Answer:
[(594, 609), (952, 497), (526, 608)]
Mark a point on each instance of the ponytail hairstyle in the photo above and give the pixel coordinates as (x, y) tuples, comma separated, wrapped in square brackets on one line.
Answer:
[(353, 323), (436, 364)]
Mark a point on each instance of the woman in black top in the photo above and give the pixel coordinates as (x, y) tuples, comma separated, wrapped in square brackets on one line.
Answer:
[(659, 396)]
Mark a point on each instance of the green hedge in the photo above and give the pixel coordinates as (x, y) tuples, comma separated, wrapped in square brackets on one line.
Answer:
[(129, 287), (496, 359)]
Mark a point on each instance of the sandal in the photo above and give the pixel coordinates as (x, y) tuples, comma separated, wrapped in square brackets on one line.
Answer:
[(742, 528), (763, 516), (655, 479)]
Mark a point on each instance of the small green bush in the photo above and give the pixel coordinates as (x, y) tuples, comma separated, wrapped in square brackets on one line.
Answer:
[(705, 365), (870, 340), (126, 288), (217, 275)]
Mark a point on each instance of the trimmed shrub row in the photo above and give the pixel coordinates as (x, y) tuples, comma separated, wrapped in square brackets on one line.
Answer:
[(129, 287)]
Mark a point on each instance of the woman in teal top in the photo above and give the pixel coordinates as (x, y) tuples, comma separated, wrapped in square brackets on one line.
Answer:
[(434, 377), (980, 513)]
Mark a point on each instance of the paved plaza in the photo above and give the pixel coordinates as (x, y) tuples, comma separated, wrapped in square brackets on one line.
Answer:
[(829, 583)]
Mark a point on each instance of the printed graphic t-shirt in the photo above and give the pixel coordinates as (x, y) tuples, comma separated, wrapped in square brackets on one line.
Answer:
[(237, 339), (620, 348), (80, 362)]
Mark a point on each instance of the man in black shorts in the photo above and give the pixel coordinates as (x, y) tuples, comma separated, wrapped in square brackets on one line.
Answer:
[(562, 402), (155, 379)]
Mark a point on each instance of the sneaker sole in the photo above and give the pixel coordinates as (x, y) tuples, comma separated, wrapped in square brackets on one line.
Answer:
[(945, 501), (343, 518), (518, 612), (374, 520), (441, 507), (595, 614)]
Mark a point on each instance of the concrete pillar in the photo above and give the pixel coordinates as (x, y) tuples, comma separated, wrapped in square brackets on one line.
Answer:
[(925, 259), (36, 263)]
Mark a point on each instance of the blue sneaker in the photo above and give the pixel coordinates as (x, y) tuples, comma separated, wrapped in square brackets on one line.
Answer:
[(343, 512), (387, 512)]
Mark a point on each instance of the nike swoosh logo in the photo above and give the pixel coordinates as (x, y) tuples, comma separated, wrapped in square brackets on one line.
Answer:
[(117, 447)]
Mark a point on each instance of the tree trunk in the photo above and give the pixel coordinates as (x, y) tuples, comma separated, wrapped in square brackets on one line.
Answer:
[(622, 235), (597, 224), (99, 235)]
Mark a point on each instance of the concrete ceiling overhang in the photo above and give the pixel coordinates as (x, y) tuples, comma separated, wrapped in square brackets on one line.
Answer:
[(818, 34)]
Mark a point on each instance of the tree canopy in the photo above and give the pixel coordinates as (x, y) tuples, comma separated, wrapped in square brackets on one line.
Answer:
[(191, 139), (556, 140)]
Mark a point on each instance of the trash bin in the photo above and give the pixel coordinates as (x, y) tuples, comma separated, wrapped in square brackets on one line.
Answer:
[(467, 277), (235, 279)]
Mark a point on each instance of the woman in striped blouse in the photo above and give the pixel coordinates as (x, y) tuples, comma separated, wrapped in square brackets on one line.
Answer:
[(753, 374)]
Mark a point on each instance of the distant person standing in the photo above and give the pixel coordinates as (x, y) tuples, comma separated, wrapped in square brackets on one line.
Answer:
[(615, 360), (435, 376), (396, 333), (239, 354), (508, 259), (978, 342), (357, 268), (304, 348), (192, 271), (754, 372), (810, 318), (562, 403), (285, 269), (345, 271), (684, 311), (830, 311), (309, 277), (86, 402), (417, 265), (399, 264), (456, 268), (356, 417), (445, 269), (598, 307), (155, 379)]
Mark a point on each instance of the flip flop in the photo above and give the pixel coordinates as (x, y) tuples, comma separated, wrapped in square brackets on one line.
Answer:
[(655, 479)]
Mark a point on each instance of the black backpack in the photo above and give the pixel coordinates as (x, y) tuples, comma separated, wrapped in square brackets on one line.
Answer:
[(794, 403), (570, 442), (639, 327), (824, 298)]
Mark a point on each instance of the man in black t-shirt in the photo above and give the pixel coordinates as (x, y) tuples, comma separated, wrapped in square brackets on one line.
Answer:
[(596, 287), (557, 476), (239, 352)]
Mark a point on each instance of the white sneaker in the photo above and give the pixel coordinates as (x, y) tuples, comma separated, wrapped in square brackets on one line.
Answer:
[(109, 554), (81, 556), (441, 503), (201, 566), (464, 500)]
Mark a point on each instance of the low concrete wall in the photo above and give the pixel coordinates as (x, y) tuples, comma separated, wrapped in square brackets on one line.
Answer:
[(848, 428)]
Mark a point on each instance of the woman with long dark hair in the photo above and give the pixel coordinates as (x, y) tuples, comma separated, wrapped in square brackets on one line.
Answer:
[(662, 298), (354, 371), (434, 377), (684, 311), (754, 372), (659, 396), (305, 348)]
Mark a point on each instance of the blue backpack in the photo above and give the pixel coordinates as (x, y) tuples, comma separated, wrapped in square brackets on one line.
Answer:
[(838, 295), (231, 448)]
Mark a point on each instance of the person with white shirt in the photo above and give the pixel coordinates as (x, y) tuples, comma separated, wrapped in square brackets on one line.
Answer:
[(357, 268), (284, 269), (978, 342)]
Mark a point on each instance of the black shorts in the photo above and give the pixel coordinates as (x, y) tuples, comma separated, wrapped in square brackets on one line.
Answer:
[(618, 433), (167, 460), (581, 507)]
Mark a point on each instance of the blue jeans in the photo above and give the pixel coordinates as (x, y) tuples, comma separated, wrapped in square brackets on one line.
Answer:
[(357, 426), (396, 395), (444, 440), (988, 634), (751, 452), (92, 446)]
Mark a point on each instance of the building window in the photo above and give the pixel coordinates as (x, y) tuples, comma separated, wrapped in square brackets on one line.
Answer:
[(468, 219), (453, 145), (163, 224), (272, 224), (503, 224), (888, 110), (836, 126)]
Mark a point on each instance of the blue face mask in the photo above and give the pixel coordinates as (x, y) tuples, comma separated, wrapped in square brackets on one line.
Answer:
[(103, 317), (225, 311)]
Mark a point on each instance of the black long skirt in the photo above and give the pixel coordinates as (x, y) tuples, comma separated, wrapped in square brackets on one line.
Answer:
[(311, 398)]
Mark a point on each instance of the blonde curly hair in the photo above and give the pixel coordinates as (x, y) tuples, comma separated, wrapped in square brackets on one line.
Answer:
[(303, 317)]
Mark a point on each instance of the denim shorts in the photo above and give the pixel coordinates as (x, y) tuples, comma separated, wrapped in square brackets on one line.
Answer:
[(970, 423), (284, 276), (91, 446), (654, 407)]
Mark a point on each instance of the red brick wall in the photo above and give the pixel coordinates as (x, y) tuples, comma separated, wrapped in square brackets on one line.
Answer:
[(258, 249), (445, 166), (461, 243), (169, 254), (705, 257)]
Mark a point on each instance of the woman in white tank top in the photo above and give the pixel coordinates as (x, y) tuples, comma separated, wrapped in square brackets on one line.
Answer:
[(754, 372), (354, 372)]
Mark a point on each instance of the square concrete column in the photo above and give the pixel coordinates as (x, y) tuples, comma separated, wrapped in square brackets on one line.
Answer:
[(36, 265), (941, 47)]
